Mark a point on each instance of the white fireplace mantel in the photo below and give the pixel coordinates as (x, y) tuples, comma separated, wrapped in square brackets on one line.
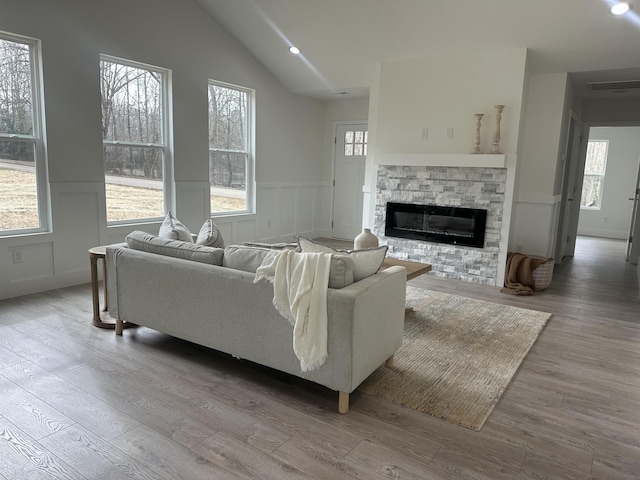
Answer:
[(442, 160)]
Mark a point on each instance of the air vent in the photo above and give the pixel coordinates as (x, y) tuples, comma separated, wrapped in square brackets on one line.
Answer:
[(619, 85)]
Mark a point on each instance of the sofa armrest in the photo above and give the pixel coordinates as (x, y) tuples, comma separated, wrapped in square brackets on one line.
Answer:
[(375, 308)]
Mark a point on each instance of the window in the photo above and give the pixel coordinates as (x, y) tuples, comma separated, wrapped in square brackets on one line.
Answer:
[(135, 132), (594, 169), (23, 179), (355, 143), (230, 148)]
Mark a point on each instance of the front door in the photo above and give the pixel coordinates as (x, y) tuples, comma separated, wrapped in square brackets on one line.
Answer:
[(348, 179)]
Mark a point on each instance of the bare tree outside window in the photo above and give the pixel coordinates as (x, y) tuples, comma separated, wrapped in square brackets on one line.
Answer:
[(20, 198), (133, 130), (594, 170), (229, 147)]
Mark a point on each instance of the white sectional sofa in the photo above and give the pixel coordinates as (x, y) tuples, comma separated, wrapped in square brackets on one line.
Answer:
[(208, 296)]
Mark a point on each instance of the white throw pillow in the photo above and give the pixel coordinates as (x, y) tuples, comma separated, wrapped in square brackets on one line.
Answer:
[(210, 235), (365, 262), (173, 229)]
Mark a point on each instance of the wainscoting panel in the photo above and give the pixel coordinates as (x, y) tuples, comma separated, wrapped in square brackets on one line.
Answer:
[(534, 224), (268, 217), (287, 198), (305, 210), (323, 210), (76, 228), (286, 210)]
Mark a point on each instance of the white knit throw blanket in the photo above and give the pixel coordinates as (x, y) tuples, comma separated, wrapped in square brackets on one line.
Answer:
[(300, 282)]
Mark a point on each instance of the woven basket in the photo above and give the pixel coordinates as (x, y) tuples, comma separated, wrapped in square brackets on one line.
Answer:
[(543, 273)]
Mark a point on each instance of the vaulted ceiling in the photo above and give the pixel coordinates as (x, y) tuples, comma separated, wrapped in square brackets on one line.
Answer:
[(343, 42)]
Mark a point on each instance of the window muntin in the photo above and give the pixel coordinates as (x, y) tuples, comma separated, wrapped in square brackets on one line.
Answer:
[(594, 171), (230, 148), (135, 132), (23, 183)]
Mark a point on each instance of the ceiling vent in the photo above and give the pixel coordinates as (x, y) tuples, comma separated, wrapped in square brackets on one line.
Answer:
[(610, 86)]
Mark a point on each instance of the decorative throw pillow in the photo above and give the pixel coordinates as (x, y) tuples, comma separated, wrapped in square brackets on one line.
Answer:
[(173, 229), (365, 262), (210, 235)]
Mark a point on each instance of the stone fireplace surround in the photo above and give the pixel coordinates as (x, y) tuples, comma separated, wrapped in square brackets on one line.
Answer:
[(473, 181)]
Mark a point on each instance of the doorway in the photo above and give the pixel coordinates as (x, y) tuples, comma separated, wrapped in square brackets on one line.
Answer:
[(605, 191), (350, 155)]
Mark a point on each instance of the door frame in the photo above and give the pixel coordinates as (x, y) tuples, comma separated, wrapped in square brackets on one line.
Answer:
[(334, 137), (574, 214)]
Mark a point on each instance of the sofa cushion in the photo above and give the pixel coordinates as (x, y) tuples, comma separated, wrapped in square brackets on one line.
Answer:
[(210, 235), (245, 258), (249, 258), (146, 242), (172, 228), (365, 262)]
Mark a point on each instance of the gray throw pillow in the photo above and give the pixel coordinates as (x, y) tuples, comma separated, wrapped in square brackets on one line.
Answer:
[(172, 228), (365, 262), (210, 235)]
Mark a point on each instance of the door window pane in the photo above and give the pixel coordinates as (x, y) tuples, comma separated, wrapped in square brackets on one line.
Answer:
[(355, 143)]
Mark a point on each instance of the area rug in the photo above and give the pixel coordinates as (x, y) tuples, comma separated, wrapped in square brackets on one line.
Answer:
[(458, 356)]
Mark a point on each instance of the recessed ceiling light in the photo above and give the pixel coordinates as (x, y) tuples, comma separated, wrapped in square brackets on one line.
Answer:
[(294, 50), (620, 8)]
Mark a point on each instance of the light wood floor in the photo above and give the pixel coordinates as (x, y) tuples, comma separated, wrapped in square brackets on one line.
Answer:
[(78, 403)]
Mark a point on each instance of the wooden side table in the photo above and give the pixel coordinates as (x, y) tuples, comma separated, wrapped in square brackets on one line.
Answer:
[(101, 318)]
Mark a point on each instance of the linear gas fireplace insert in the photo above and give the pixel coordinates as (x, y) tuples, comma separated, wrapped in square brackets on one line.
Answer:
[(433, 223)]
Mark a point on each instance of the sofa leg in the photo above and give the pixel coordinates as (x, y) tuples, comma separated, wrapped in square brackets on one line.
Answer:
[(343, 402), (119, 327), (390, 361)]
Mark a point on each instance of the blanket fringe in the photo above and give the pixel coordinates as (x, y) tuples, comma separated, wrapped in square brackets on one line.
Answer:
[(315, 365)]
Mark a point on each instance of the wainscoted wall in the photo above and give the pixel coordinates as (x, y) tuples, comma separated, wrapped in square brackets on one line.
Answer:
[(59, 258), (486, 187)]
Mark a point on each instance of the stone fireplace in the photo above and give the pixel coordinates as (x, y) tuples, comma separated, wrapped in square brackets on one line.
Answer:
[(482, 182)]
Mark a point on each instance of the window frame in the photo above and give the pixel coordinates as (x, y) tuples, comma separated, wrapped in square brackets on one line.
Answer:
[(166, 147), (38, 138), (601, 176), (250, 187)]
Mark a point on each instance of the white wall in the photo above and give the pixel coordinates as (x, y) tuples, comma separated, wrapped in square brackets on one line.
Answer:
[(612, 219), (535, 214), (183, 37), (445, 92), (440, 93)]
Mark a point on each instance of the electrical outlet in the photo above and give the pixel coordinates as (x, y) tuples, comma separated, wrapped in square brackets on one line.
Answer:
[(425, 134), (17, 255), (450, 133), (268, 223)]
